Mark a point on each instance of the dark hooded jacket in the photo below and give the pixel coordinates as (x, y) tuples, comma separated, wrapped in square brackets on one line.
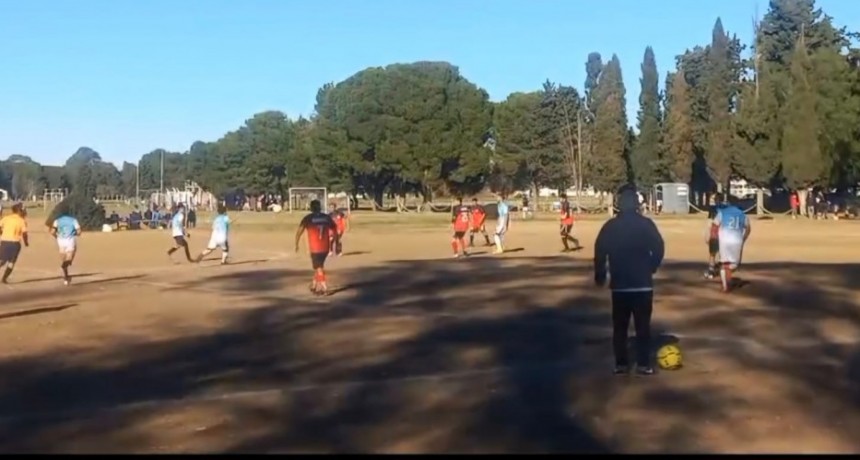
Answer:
[(632, 247)]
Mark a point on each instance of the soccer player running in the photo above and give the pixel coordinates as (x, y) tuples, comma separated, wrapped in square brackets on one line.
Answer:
[(341, 221), (218, 240), (478, 219), (461, 220), (733, 229), (503, 224), (321, 228), (177, 230), (566, 226), (13, 231), (66, 229)]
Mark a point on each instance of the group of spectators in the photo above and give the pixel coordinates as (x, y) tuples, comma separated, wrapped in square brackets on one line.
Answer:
[(153, 217)]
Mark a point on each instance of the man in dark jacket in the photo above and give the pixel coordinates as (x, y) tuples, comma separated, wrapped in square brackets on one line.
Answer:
[(633, 248)]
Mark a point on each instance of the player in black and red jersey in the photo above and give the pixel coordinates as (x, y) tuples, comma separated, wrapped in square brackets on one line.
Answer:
[(461, 218), (322, 231), (566, 225)]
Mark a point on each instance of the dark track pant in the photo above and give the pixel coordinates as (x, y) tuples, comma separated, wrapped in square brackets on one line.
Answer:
[(639, 306)]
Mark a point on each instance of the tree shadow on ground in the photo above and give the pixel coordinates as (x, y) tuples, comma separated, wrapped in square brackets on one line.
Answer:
[(507, 354)]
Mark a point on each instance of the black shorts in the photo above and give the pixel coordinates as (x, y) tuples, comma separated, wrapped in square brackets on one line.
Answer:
[(318, 259), (180, 241), (9, 251), (459, 235), (566, 229), (713, 246)]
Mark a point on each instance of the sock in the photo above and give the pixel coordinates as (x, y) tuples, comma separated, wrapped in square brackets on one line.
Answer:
[(463, 245), (472, 239), (455, 247), (171, 251), (564, 242), (65, 267), (487, 237), (224, 257), (498, 242), (7, 273)]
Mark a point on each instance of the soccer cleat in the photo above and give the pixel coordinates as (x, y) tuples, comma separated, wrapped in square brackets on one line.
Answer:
[(620, 370), (645, 370)]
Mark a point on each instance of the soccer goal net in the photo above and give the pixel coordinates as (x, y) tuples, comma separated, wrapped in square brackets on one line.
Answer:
[(301, 197)]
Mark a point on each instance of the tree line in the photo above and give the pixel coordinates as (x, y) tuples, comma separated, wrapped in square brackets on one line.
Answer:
[(782, 111)]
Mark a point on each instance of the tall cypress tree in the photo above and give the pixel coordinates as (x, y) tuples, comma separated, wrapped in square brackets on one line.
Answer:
[(645, 156), (679, 141), (720, 89), (803, 162), (608, 166)]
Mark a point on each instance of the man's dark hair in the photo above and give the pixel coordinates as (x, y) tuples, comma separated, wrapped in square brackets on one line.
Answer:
[(316, 206), (222, 209), (563, 196), (18, 208)]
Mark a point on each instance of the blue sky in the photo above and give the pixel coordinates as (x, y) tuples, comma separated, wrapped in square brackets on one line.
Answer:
[(128, 76)]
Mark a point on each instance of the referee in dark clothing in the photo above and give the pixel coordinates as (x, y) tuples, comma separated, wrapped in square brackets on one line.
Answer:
[(633, 248)]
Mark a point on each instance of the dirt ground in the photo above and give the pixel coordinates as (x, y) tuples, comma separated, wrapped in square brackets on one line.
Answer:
[(417, 352)]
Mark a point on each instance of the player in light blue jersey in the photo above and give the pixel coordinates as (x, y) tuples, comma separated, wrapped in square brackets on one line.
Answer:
[(732, 228), (502, 224), (66, 230), (218, 240), (177, 230)]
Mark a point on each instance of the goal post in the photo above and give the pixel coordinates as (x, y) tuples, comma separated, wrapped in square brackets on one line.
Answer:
[(301, 197)]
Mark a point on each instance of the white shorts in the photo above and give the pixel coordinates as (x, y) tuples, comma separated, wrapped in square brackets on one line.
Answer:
[(218, 242), (501, 228), (66, 245), (731, 250)]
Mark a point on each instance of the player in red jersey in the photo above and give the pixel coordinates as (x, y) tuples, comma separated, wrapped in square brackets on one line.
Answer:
[(566, 225), (478, 218), (342, 222), (321, 228), (461, 220)]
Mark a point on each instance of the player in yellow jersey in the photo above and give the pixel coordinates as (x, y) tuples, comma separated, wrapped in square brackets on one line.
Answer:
[(13, 232)]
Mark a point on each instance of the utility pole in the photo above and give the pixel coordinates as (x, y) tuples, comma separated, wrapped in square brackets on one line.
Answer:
[(137, 183), (161, 182)]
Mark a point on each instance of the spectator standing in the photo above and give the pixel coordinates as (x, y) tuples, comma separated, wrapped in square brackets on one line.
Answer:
[(632, 247)]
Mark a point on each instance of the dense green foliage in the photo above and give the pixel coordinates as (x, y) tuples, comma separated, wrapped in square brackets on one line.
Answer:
[(80, 203), (783, 111)]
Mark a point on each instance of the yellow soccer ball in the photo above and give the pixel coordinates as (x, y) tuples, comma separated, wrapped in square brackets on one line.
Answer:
[(669, 357)]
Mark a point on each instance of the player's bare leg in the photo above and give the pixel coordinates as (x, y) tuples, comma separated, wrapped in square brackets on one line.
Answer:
[(455, 245), (66, 263), (462, 242), (726, 277), (203, 254)]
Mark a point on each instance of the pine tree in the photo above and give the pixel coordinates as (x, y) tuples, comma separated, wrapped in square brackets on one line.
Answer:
[(720, 87), (679, 143), (803, 162), (608, 168), (645, 157)]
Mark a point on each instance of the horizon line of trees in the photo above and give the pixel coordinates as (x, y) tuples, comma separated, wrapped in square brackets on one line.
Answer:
[(783, 111)]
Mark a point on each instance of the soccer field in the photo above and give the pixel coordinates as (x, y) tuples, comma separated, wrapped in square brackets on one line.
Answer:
[(418, 352)]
